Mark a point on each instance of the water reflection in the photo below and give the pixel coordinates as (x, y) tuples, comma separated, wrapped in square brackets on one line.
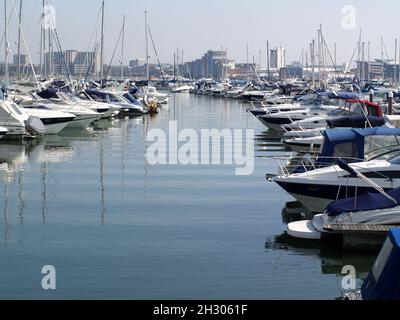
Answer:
[(108, 145), (333, 259), (269, 143)]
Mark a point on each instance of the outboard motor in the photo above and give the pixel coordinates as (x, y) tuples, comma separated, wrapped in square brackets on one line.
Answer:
[(35, 126)]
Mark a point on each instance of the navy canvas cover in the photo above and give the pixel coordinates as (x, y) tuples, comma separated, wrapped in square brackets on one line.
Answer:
[(356, 121), (366, 202)]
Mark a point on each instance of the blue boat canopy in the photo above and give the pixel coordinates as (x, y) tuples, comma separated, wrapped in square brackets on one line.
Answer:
[(349, 143), (366, 202), (383, 282), (343, 95)]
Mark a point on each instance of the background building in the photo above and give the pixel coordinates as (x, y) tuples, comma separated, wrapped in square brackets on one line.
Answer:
[(74, 62), (277, 58), (214, 64)]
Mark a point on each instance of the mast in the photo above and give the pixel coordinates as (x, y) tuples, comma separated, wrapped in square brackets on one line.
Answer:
[(174, 65), (369, 59), (313, 62), (44, 38), (383, 64), (50, 62), (6, 74), (122, 49), (268, 61), (19, 41), (102, 45), (247, 61), (147, 48), (395, 61)]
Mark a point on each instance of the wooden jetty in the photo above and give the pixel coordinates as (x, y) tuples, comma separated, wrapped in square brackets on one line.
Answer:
[(357, 237)]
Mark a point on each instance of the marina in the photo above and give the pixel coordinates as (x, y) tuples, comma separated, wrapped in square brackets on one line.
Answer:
[(204, 179)]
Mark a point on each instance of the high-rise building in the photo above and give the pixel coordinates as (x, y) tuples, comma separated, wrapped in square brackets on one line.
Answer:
[(277, 58), (74, 62), (23, 59), (212, 65)]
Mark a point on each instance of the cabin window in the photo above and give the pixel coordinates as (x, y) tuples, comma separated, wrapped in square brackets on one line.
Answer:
[(346, 150), (16, 109), (372, 111)]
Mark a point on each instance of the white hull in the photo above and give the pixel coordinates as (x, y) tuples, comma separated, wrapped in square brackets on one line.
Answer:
[(313, 204), (82, 122), (56, 128)]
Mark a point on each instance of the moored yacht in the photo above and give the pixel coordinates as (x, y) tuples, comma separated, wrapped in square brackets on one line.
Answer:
[(374, 152), (54, 121), (378, 208), (18, 123)]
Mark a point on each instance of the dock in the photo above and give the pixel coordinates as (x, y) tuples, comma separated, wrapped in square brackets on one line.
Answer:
[(358, 237)]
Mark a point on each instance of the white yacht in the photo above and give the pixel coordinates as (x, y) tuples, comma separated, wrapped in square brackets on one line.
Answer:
[(54, 121), (374, 153), (84, 117), (18, 123), (105, 110), (379, 208), (182, 89)]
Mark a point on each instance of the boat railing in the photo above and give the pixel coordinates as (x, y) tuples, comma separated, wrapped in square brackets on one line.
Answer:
[(308, 163)]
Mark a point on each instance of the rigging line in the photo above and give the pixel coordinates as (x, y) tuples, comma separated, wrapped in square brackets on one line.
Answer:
[(58, 43), (351, 61), (91, 39), (384, 48), (155, 51), (96, 49), (115, 50), (330, 56)]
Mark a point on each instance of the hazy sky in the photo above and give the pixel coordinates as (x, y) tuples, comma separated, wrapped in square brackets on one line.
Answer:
[(195, 26)]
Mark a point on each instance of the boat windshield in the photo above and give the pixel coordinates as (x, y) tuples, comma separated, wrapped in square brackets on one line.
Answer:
[(381, 147)]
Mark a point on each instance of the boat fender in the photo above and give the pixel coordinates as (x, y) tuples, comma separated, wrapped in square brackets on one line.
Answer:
[(35, 126)]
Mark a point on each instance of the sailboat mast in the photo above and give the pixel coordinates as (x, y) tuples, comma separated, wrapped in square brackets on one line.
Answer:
[(122, 49), (147, 48), (247, 62), (102, 45), (44, 38), (6, 75), (50, 62), (19, 41), (268, 61)]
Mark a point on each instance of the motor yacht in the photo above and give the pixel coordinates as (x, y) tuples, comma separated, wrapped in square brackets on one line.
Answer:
[(18, 123), (54, 121), (377, 208), (127, 107), (373, 151)]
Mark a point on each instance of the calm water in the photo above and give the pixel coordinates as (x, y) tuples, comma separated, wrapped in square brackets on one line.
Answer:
[(116, 227)]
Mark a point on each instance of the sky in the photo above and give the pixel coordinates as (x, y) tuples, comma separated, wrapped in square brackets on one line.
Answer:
[(196, 26)]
